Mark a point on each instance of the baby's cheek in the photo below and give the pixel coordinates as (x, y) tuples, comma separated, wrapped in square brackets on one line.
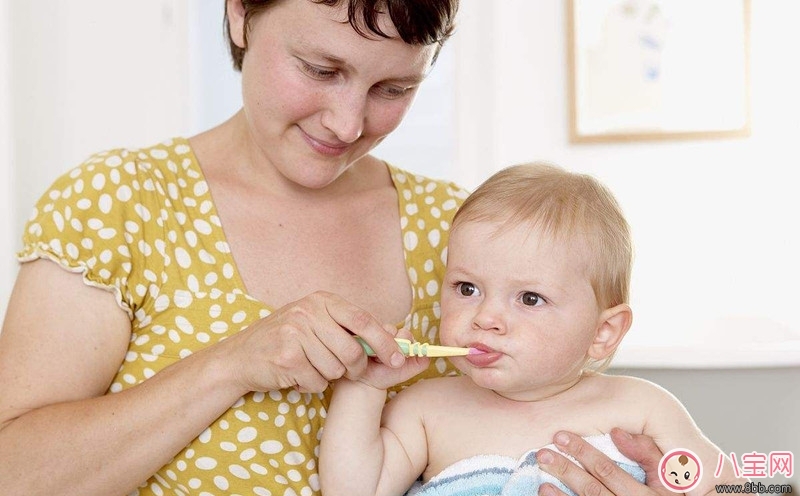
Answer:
[(447, 332)]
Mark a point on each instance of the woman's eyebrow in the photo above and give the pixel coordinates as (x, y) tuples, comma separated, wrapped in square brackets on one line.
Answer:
[(409, 80), (334, 60)]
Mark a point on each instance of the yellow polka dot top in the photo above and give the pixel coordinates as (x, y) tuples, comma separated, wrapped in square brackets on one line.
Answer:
[(141, 223)]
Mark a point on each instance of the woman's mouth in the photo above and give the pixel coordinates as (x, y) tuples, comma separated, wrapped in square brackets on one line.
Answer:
[(324, 147)]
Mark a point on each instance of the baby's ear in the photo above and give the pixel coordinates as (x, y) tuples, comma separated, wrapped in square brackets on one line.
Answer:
[(612, 326)]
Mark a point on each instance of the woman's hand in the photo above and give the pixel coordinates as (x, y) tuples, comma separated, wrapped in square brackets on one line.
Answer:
[(601, 476), (306, 344)]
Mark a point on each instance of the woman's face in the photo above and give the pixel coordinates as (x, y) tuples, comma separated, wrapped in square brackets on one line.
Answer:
[(317, 95)]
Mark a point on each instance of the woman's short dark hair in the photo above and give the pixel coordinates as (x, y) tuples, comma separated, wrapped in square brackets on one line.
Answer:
[(418, 22)]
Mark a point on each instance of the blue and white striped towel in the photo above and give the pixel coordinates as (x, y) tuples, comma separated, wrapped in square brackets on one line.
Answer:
[(497, 475)]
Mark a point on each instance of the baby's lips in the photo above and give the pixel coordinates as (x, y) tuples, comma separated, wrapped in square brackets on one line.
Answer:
[(479, 349), (483, 355)]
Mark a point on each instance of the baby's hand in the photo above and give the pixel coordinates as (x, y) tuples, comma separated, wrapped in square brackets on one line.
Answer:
[(381, 376)]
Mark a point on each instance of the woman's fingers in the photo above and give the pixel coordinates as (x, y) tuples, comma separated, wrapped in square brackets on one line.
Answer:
[(309, 380), (308, 343), (574, 477), (601, 475), (643, 450), (278, 355), (548, 489), (361, 323)]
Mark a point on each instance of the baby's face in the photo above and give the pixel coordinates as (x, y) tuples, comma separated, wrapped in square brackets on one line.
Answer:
[(526, 300)]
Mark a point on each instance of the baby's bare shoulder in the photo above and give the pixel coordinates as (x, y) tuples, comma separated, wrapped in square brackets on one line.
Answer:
[(622, 386)]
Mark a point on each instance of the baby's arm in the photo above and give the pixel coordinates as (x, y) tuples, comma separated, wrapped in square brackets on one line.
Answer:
[(362, 454), (671, 427)]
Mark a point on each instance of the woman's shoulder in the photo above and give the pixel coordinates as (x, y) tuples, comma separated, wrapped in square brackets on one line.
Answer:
[(427, 205), (421, 185), (167, 157), (122, 165), (111, 191), (131, 178)]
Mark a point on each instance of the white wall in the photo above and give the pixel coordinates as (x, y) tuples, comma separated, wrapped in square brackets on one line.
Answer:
[(214, 87), (7, 265)]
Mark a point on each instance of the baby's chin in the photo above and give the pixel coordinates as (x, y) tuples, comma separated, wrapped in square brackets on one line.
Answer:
[(482, 377)]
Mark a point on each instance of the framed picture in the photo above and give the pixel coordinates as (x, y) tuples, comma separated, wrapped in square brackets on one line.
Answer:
[(658, 69)]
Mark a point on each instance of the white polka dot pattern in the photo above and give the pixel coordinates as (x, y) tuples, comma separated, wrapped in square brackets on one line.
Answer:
[(142, 224)]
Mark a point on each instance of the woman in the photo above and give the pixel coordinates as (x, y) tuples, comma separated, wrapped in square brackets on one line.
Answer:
[(213, 284)]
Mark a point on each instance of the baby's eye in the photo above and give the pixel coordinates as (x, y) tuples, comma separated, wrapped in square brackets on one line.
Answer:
[(532, 299), (467, 289), (686, 476)]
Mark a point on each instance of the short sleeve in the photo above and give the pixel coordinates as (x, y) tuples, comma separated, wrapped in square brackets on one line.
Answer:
[(89, 222)]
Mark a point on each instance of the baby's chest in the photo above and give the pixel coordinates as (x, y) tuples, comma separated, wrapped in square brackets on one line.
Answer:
[(463, 434)]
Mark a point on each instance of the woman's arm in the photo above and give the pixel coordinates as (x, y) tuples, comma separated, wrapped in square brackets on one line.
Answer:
[(62, 344)]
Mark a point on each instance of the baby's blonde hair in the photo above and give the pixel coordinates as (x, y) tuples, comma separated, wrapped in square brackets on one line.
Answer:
[(567, 206)]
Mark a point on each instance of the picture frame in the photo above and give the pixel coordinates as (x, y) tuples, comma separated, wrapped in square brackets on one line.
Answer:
[(658, 69)]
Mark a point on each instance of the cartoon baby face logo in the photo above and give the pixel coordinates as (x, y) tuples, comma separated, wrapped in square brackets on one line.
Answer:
[(680, 470)]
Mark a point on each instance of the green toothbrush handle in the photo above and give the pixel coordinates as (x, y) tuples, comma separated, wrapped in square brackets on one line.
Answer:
[(403, 343)]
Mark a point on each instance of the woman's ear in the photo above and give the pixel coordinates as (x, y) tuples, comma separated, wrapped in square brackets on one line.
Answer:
[(612, 326), (236, 24)]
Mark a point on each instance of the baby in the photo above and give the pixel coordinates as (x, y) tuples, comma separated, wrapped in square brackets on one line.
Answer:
[(537, 280)]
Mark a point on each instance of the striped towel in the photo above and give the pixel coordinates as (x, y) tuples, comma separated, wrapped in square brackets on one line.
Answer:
[(496, 475)]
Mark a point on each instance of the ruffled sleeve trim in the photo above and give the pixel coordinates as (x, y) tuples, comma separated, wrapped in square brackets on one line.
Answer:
[(37, 251)]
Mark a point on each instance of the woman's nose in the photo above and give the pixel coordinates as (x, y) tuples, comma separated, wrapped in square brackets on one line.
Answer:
[(346, 114)]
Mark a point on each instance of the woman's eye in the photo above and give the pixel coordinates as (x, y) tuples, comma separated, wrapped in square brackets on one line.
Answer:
[(391, 92), (467, 289), (318, 72), (532, 299)]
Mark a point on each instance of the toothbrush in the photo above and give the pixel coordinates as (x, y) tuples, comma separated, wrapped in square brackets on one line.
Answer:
[(423, 349)]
